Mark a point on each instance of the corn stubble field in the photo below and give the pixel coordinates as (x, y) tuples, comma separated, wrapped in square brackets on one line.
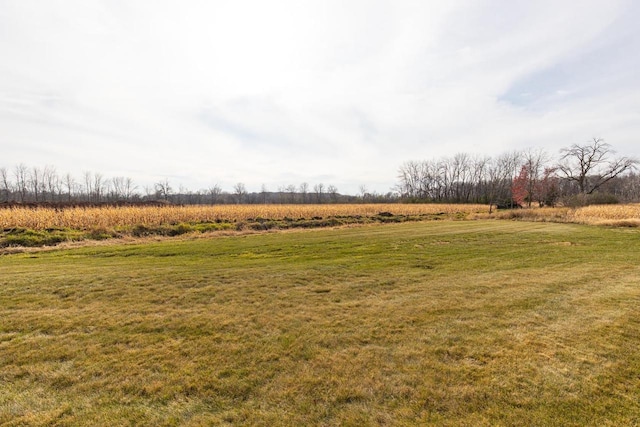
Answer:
[(483, 322), (46, 226), (88, 217), (83, 218)]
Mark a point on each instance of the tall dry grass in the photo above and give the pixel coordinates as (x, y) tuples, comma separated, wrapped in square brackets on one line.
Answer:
[(619, 215), (627, 215), (83, 218), (43, 218)]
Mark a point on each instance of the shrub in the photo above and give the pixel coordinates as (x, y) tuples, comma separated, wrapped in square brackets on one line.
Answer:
[(140, 231), (179, 229), (101, 233), (31, 238)]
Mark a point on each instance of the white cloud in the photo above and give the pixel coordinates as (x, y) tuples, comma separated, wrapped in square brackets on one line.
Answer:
[(290, 91)]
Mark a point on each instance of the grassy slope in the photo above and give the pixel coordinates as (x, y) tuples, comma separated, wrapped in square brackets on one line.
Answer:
[(446, 323)]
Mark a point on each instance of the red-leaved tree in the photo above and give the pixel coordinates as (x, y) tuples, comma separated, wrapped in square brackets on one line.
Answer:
[(519, 186)]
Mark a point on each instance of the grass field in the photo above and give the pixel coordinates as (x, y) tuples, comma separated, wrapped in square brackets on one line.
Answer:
[(421, 323)]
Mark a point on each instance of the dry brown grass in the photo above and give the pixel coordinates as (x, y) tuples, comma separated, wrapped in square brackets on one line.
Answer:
[(109, 217), (81, 218), (626, 215)]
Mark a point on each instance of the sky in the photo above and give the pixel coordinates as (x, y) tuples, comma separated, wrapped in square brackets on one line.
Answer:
[(277, 92)]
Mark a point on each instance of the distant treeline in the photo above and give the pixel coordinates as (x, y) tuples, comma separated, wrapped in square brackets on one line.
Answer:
[(37, 186), (60, 205), (582, 174)]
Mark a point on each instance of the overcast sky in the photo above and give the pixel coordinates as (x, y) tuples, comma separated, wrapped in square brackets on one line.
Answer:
[(284, 92)]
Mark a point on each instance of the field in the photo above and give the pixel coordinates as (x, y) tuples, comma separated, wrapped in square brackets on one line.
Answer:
[(24, 226), (110, 217), (418, 323), (49, 226)]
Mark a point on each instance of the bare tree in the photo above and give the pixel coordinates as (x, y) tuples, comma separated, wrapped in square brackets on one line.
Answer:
[(264, 192), (460, 176), (319, 190), (422, 180), (6, 184), (35, 181), (100, 186), (163, 189), (363, 191), (479, 177), (129, 188), (70, 185), (117, 182), (215, 191), (304, 190), (590, 165), (240, 191), (333, 193), (629, 188), (88, 184), (410, 177), (495, 175), (534, 160), (50, 183), (291, 193), (122, 188), (500, 174)]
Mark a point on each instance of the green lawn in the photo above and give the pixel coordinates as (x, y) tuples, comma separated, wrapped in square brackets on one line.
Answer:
[(435, 323)]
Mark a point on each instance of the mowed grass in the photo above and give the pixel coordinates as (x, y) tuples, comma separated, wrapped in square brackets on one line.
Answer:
[(434, 323)]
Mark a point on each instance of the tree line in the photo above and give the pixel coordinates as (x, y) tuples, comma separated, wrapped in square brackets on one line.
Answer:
[(40, 185), (587, 173)]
